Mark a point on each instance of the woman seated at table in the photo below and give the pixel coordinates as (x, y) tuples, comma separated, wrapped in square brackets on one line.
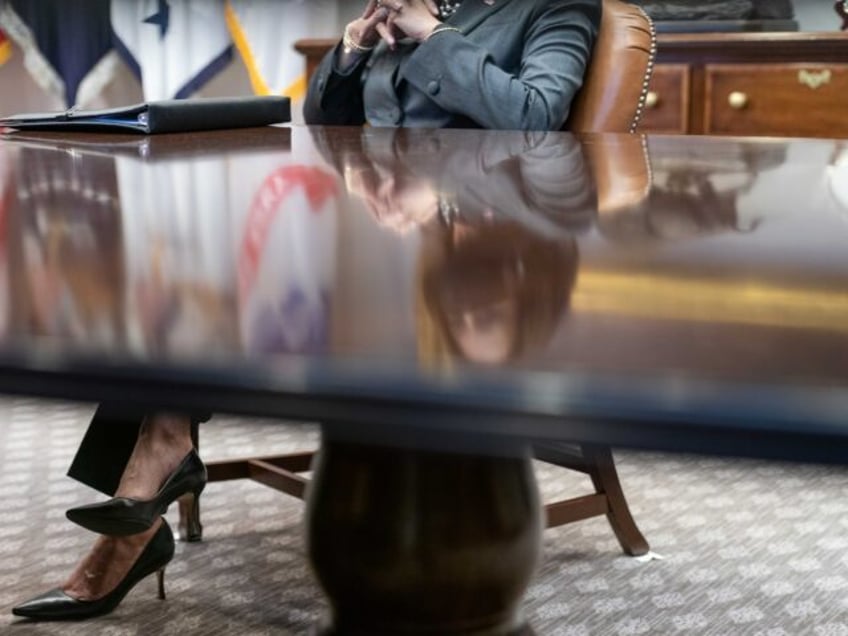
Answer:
[(500, 64)]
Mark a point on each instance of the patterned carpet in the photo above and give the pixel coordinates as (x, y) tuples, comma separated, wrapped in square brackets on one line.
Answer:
[(750, 548)]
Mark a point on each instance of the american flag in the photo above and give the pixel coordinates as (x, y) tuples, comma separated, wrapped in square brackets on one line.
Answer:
[(5, 48), (173, 46), (66, 50)]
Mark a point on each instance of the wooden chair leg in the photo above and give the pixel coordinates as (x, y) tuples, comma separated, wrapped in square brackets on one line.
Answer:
[(601, 468), (189, 527), (281, 473)]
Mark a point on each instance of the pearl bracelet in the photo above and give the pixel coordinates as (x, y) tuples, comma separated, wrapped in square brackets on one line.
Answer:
[(442, 29), (352, 46)]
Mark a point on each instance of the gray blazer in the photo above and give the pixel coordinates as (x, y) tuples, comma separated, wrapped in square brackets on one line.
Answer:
[(516, 64)]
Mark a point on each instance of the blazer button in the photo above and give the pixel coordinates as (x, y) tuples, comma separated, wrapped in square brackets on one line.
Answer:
[(434, 87)]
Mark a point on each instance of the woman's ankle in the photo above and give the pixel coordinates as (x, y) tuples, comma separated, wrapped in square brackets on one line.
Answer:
[(163, 441), (167, 431)]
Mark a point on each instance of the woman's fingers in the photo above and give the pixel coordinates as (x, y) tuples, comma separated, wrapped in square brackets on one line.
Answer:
[(385, 30), (433, 7), (364, 30), (379, 15), (370, 8)]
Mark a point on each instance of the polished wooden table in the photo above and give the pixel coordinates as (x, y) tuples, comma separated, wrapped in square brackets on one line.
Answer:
[(438, 300)]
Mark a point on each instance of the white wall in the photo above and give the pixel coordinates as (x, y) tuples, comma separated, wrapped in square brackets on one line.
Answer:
[(816, 15)]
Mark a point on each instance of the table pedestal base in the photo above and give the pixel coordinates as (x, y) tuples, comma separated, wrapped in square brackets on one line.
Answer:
[(412, 542)]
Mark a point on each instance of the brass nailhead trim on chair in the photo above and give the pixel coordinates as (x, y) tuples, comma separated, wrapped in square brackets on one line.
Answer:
[(649, 73)]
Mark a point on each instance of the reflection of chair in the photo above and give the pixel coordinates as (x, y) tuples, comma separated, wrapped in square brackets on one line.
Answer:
[(611, 100)]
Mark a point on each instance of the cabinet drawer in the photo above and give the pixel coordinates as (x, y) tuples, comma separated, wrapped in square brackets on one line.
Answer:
[(667, 108), (777, 99)]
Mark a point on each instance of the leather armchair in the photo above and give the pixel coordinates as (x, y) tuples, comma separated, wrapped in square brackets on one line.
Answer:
[(615, 88)]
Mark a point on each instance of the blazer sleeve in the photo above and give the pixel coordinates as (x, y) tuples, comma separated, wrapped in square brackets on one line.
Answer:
[(461, 77), (334, 98)]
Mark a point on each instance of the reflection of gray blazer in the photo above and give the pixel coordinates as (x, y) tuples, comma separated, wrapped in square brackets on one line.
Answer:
[(538, 179), (516, 64)]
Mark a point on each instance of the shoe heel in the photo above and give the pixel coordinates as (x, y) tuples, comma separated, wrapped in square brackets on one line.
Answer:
[(191, 530), (160, 577)]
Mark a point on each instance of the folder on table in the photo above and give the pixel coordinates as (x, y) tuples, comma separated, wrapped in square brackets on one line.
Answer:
[(170, 116)]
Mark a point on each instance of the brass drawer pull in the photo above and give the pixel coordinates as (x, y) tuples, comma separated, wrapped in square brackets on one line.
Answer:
[(814, 79), (737, 100), (652, 99)]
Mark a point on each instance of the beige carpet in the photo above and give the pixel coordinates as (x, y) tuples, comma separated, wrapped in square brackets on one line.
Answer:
[(750, 548)]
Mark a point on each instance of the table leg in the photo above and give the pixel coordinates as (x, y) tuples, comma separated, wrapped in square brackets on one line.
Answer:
[(412, 542)]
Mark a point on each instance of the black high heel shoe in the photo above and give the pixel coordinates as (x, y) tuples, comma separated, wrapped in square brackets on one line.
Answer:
[(55, 605), (122, 516)]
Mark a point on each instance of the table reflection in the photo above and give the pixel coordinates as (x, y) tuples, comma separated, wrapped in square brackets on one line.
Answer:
[(65, 252), (420, 249), (155, 250), (694, 190), (496, 217), (838, 176)]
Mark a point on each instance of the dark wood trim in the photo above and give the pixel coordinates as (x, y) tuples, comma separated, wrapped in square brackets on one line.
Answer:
[(577, 509), (308, 46), (313, 51), (278, 472), (605, 479), (278, 478), (702, 48)]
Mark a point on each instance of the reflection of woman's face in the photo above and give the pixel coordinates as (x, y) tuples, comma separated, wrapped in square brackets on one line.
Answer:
[(479, 303), (486, 334), (494, 290)]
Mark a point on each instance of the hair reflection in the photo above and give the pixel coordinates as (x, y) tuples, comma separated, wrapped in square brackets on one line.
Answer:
[(496, 216)]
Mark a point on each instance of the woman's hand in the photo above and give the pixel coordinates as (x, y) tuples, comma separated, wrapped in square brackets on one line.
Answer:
[(363, 31), (414, 18), (398, 202)]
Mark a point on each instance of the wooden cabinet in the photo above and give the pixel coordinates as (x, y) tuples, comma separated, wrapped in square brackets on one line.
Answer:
[(781, 84)]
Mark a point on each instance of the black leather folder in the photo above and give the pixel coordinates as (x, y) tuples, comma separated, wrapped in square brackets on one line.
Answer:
[(171, 116)]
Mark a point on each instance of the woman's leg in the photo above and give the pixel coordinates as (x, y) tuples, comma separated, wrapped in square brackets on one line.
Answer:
[(125, 453), (161, 442)]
